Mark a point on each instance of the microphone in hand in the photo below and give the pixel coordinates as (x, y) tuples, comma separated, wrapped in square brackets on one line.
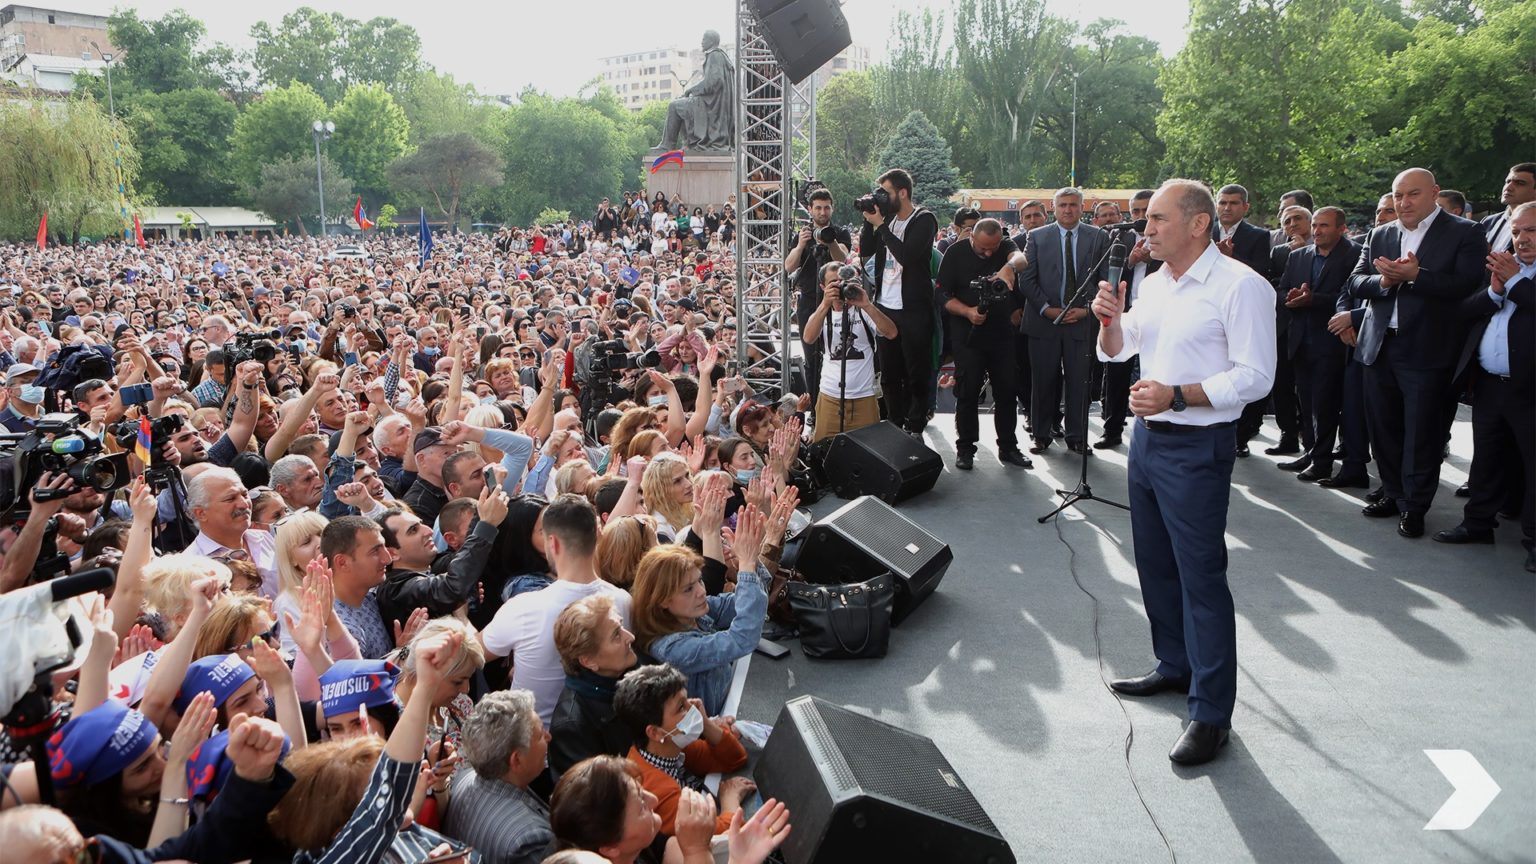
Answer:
[(1116, 268)]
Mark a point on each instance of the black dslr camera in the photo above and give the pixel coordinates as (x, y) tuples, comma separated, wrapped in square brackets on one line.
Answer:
[(57, 444), (260, 346), (610, 356), (156, 473), (990, 291), (877, 199)]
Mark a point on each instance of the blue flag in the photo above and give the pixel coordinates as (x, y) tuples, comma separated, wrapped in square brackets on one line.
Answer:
[(426, 238), (630, 275)]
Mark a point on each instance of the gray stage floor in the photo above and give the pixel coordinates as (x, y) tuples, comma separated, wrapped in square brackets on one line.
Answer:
[(1358, 650)]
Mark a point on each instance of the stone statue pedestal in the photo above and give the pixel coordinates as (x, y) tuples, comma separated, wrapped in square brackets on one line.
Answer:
[(703, 178)]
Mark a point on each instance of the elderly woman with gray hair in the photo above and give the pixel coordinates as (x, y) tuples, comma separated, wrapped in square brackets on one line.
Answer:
[(492, 808)]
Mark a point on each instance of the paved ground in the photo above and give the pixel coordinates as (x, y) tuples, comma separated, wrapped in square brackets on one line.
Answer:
[(1358, 650)]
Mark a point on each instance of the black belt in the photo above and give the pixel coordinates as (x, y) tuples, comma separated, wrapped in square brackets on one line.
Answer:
[(1183, 428)]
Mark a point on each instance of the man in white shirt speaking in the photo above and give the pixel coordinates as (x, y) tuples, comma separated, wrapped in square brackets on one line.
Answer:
[(1204, 327)]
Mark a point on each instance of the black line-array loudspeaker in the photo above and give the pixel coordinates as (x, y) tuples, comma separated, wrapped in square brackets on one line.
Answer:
[(867, 537), (862, 790), (879, 460), (803, 34)]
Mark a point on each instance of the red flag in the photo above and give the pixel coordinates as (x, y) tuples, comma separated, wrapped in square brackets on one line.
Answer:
[(42, 232), (138, 232)]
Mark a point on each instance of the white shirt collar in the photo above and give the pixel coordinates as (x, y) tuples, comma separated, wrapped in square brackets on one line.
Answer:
[(1423, 223)]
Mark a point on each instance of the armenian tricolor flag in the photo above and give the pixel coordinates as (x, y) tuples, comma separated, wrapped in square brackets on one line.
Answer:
[(669, 156), (361, 215), (142, 444), (138, 232)]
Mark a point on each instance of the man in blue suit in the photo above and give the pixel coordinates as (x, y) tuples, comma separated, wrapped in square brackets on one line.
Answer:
[(1061, 256), (1414, 273), (1244, 241)]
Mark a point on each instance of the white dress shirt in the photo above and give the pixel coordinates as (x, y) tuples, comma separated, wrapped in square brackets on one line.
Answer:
[(260, 549), (1214, 326), (1410, 243)]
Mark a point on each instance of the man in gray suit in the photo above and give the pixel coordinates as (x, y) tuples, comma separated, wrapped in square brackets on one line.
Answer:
[(1061, 256)]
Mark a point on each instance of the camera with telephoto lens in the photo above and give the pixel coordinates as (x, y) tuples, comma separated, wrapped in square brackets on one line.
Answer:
[(157, 473), (260, 346), (990, 291), (611, 356), (58, 445), (877, 199), (827, 235)]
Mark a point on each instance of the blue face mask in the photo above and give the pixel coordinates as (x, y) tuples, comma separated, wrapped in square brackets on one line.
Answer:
[(747, 475), (300, 344), (657, 401), (487, 400), (30, 394), (430, 350)]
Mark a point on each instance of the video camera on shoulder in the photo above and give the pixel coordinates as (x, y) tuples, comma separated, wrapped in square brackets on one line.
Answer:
[(612, 356), (260, 346), (990, 291), (57, 445), (878, 199)]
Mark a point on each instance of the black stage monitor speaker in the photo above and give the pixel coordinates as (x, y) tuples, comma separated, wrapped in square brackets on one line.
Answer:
[(803, 34), (880, 460), (861, 790), (867, 537)]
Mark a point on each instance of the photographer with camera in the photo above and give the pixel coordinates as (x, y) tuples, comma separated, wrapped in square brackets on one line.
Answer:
[(819, 244), (844, 326), (899, 236), (983, 307)]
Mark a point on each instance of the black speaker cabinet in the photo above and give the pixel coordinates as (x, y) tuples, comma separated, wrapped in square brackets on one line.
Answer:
[(861, 790), (880, 460), (803, 34), (867, 537)]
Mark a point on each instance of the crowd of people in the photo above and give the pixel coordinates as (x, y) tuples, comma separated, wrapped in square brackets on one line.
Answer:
[(422, 557)]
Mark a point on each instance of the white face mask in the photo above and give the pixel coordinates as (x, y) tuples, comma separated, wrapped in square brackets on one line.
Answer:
[(689, 728)]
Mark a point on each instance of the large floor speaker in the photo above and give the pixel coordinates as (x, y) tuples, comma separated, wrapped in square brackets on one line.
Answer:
[(861, 790), (880, 460), (803, 34), (867, 537)]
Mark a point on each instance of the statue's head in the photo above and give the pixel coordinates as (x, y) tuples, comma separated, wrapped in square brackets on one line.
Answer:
[(711, 40)]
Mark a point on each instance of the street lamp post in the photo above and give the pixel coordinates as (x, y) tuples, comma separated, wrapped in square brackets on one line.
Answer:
[(323, 130), (1072, 169), (106, 57)]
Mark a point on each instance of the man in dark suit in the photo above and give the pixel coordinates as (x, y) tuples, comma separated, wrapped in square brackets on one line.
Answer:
[(1314, 276), (1415, 272), (1293, 198), (1031, 216), (1296, 222), (1139, 264), (1499, 357), (1238, 238), (1061, 256), (902, 246)]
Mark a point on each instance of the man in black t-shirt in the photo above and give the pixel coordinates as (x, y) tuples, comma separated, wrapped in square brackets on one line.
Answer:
[(819, 243), (981, 333), (605, 220)]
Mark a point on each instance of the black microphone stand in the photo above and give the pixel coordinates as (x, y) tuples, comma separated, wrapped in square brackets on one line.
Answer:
[(1083, 491)]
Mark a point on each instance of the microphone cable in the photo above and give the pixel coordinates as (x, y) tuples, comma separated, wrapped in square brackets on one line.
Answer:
[(1098, 648)]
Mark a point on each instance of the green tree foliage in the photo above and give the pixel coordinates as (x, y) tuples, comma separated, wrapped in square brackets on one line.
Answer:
[(60, 159), (917, 146), (921, 75), (641, 134), (445, 169), (438, 105), (551, 216), (1010, 53), (183, 137), (558, 151), (275, 127), (1117, 105), (371, 132), (845, 136), (160, 55), (330, 52), (286, 190)]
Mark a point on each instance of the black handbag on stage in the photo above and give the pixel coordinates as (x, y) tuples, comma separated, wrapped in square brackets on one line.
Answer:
[(843, 622)]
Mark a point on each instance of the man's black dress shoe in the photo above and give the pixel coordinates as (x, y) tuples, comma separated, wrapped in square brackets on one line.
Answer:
[(965, 461), (1149, 684), (1530, 560), (1199, 744), (1339, 481), (1014, 457), (1242, 451), (1375, 494), (1286, 447), (1040, 445), (1313, 475), (1108, 442), (1461, 535), (1411, 525), (1058, 433), (1301, 464), (1464, 490), (1080, 447), (1380, 508)]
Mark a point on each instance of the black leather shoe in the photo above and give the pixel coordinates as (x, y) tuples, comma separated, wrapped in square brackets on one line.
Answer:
[(1301, 464), (1015, 458), (1464, 490), (1461, 535), (1149, 684), (1375, 494), (1286, 447), (1381, 507), (1313, 475), (1108, 442), (1338, 452), (1411, 525), (1058, 433), (1080, 448), (1040, 446), (1339, 481), (1199, 744), (965, 461), (1242, 451), (1530, 560)]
